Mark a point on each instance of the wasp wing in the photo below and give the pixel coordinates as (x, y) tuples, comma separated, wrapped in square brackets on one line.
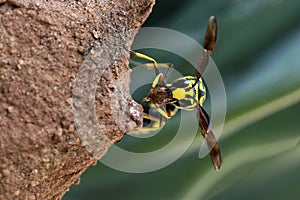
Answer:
[(212, 143), (208, 46)]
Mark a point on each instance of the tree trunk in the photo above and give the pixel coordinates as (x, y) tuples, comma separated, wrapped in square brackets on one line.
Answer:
[(64, 89)]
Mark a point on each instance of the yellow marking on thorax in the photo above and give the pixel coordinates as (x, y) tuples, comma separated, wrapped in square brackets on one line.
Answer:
[(179, 93)]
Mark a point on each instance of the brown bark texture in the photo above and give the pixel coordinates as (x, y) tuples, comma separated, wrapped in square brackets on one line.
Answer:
[(64, 89)]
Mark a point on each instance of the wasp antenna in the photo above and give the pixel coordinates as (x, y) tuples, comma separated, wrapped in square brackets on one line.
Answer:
[(211, 34)]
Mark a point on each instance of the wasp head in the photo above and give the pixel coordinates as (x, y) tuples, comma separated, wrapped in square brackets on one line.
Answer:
[(159, 96)]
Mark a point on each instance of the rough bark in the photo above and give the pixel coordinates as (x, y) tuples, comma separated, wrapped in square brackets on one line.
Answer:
[(53, 56)]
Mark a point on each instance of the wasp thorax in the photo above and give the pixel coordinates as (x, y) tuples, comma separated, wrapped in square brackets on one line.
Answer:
[(159, 96)]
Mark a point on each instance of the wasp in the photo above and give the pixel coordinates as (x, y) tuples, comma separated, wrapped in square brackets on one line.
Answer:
[(187, 93)]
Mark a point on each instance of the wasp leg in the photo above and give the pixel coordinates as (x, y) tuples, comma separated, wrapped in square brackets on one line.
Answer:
[(151, 65), (153, 119), (145, 57), (151, 123), (211, 141), (171, 110), (155, 64), (168, 111), (159, 65), (164, 113)]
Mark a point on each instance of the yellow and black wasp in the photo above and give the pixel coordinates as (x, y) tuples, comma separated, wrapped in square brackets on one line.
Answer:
[(186, 93)]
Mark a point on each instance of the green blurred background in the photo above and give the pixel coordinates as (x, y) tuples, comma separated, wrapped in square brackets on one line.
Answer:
[(258, 55)]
